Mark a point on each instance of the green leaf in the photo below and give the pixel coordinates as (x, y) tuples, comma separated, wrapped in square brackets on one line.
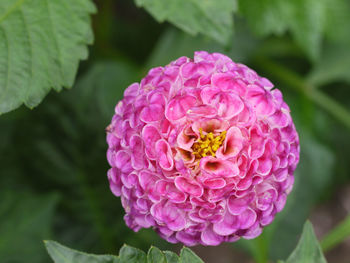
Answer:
[(307, 25), (304, 18), (210, 17), (266, 16), (338, 21), (308, 249), (334, 65), (62, 254), (129, 254), (188, 256), (41, 44), (155, 256), (25, 220), (171, 257)]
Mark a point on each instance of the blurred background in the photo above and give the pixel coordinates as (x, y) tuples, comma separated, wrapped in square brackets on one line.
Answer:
[(53, 182)]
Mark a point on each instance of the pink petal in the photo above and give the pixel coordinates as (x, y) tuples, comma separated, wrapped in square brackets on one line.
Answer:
[(214, 183), (115, 181), (178, 107), (228, 104), (261, 100), (227, 226), (150, 136), (247, 218), (232, 145), (228, 82), (237, 205), (122, 161), (152, 113), (137, 157), (187, 186), (164, 155), (219, 167), (210, 238), (202, 111)]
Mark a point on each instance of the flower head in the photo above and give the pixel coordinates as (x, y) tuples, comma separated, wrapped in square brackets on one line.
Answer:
[(203, 150)]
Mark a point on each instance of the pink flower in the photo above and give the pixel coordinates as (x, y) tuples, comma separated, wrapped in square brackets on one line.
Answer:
[(202, 150)]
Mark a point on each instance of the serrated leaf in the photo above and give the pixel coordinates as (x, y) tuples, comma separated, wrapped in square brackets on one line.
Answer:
[(308, 249), (41, 44), (25, 220), (209, 17), (155, 256), (129, 254), (188, 256), (171, 257), (62, 254)]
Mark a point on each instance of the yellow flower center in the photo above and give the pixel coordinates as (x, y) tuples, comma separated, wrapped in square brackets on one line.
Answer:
[(207, 144)]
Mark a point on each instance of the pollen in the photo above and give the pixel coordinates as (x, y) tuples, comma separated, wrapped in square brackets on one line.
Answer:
[(207, 144)]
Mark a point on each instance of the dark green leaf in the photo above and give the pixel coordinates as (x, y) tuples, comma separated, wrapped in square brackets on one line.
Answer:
[(209, 17), (188, 256), (62, 254), (308, 249), (155, 256), (129, 254), (41, 44), (25, 220)]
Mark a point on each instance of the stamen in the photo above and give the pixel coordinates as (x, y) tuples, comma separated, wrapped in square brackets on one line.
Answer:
[(207, 144)]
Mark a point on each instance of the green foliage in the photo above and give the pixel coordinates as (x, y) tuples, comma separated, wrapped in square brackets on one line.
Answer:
[(210, 17), (308, 249), (171, 257), (41, 43), (187, 256), (62, 254), (127, 254), (334, 65), (25, 220), (156, 256), (304, 18)]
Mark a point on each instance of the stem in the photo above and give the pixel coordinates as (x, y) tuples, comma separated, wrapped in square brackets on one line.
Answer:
[(259, 249), (295, 81), (336, 235)]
